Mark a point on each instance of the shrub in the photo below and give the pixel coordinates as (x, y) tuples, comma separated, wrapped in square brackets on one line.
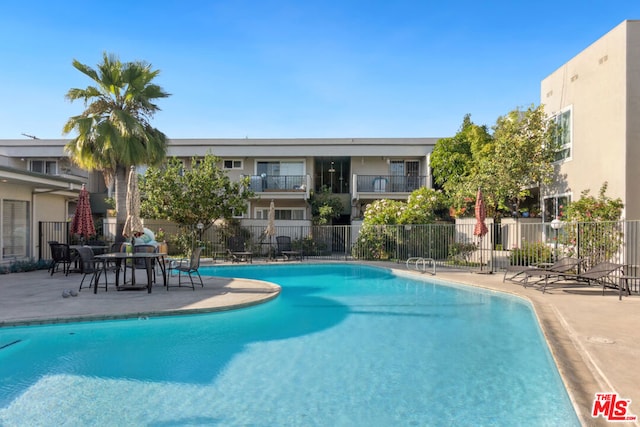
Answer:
[(597, 229), (459, 253), (531, 254), (22, 266), (372, 243)]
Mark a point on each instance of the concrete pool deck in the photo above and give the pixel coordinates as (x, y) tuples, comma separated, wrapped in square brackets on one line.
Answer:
[(595, 339)]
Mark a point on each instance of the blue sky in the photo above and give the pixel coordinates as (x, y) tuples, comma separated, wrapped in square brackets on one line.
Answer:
[(303, 68)]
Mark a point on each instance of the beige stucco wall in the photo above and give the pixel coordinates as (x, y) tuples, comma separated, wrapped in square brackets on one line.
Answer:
[(369, 165), (42, 207), (632, 189), (15, 192), (600, 85)]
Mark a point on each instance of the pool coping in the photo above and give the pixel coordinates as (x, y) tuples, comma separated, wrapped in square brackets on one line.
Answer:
[(583, 366)]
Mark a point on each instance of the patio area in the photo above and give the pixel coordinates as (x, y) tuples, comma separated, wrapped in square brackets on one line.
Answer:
[(594, 338)]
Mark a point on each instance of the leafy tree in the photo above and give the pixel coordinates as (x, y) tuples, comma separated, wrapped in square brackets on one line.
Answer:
[(374, 241), (383, 212), (452, 158), (589, 208), (325, 206), (595, 231), (419, 208), (114, 131), (505, 165), (453, 161), (521, 157), (187, 197)]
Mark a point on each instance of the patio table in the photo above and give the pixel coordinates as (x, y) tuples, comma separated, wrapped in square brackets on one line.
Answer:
[(148, 258)]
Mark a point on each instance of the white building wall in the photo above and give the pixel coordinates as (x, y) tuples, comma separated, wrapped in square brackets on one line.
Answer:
[(601, 87)]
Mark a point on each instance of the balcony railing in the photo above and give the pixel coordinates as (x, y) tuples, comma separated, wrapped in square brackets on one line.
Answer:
[(389, 183), (266, 183)]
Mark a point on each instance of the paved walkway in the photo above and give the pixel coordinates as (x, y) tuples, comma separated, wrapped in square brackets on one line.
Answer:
[(595, 339), (37, 297)]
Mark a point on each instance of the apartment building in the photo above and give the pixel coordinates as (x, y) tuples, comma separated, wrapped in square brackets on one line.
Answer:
[(39, 183), (595, 98)]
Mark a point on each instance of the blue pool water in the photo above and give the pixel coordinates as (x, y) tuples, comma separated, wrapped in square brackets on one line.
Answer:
[(343, 345)]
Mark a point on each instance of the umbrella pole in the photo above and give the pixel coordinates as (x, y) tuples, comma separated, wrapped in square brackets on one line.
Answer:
[(481, 254)]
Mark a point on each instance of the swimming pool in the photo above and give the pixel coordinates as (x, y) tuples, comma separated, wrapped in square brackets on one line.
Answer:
[(342, 345)]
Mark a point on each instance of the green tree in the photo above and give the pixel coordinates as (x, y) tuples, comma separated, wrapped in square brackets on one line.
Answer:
[(325, 206), (505, 165), (454, 159), (114, 132), (589, 208), (520, 157), (374, 241), (419, 208), (201, 194), (594, 230)]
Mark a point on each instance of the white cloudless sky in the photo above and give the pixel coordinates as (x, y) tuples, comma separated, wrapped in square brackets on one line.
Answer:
[(297, 68)]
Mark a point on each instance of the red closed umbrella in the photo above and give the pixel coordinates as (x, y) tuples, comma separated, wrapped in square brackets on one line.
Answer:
[(480, 228), (481, 215), (82, 223)]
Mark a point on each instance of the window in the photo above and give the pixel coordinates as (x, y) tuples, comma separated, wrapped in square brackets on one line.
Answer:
[(285, 214), (405, 175), (554, 206), (49, 167), (15, 229), (281, 175), (232, 164), (281, 168), (563, 135)]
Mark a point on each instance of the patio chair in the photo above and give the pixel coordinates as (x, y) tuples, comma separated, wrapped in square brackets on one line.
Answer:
[(61, 254), (236, 249), (188, 266), (285, 249), (140, 264), (50, 242), (596, 274), (518, 272), (90, 266)]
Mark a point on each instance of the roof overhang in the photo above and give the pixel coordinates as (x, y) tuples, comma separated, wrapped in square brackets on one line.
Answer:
[(40, 183)]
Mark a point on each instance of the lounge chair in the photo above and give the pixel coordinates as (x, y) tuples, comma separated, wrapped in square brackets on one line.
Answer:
[(236, 249), (596, 274), (188, 266), (285, 249), (519, 273)]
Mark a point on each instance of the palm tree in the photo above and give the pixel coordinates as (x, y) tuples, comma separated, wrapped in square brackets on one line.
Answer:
[(113, 132)]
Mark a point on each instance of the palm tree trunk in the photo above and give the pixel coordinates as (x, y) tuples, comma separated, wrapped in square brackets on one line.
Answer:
[(121, 201)]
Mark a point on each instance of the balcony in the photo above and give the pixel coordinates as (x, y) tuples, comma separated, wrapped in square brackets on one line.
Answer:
[(281, 186), (386, 186)]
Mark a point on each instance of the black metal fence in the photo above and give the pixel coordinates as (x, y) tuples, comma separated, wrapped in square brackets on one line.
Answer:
[(50, 231), (259, 183), (389, 183), (451, 245)]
